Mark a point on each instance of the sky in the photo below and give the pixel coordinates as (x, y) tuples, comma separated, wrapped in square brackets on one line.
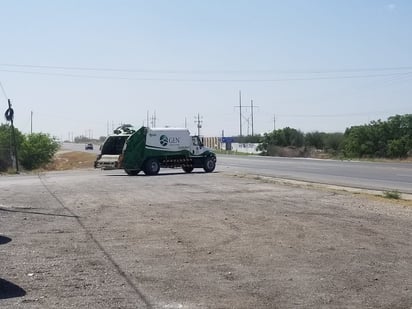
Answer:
[(82, 67)]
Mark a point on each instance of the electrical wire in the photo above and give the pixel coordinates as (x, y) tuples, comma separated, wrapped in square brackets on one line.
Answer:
[(4, 91), (161, 79), (269, 71)]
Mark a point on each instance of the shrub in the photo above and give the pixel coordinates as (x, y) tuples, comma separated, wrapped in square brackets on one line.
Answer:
[(37, 150), (392, 194)]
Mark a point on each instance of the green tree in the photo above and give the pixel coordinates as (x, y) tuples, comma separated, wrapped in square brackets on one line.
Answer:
[(315, 139), (293, 137), (398, 148), (37, 150), (391, 138), (333, 142), (280, 138)]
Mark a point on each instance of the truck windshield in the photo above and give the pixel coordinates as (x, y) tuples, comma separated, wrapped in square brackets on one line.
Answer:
[(114, 145)]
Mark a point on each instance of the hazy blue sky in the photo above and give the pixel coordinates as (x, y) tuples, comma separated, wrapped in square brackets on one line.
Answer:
[(321, 65)]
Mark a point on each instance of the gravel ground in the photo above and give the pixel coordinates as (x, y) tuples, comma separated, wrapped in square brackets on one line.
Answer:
[(100, 239)]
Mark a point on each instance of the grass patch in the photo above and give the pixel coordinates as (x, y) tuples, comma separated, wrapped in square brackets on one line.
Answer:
[(394, 194), (232, 152)]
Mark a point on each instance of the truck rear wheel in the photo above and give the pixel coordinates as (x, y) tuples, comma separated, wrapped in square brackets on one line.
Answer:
[(151, 167), (209, 164), (132, 172)]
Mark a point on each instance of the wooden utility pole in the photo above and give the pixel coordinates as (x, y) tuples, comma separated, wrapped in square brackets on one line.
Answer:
[(10, 117), (240, 112)]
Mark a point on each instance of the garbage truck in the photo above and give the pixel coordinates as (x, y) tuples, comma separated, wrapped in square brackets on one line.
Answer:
[(112, 147), (149, 149)]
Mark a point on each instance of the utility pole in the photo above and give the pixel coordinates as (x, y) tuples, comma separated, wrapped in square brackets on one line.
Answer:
[(274, 122), (251, 110), (153, 121), (147, 118), (31, 122), (10, 117), (252, 107), (240, 112), (198, 122)]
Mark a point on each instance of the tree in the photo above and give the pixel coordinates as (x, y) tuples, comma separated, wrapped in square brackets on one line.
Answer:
[(391, 138), (280, 138), (398, 148), (333, 142), (37, 150), (315, 139), (293, 137)]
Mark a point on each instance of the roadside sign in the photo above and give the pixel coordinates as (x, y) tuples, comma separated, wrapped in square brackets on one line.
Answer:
[(227, 139)]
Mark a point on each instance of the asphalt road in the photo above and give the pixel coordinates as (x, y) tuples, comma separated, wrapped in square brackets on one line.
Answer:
[(366, 175), (80, 147), (379, 176)]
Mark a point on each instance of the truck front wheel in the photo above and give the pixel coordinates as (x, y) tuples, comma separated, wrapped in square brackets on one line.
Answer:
[(209, 164), (151, 167)]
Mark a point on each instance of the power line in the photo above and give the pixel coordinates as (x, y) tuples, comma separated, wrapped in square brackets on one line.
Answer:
[(200, 71), (4, 91), (161, 79), (331, 115)]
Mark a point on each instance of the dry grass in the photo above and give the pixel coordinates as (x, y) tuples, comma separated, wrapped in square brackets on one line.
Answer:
[(71, 160)]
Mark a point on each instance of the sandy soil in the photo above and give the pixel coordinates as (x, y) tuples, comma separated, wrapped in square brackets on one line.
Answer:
[(68, 160)]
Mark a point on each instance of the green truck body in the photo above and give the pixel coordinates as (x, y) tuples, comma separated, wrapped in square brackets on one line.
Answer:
[(149, 149)]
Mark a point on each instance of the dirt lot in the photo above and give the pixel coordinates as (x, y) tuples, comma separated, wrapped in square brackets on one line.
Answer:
[(68, 160), (100, 239)]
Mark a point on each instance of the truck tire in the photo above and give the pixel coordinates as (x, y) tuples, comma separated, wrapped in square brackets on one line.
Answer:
[(187, 169), (132, 172), (151, 167), (209, 164)]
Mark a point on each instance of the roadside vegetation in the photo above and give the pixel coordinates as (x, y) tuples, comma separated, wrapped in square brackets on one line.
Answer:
[(391, 139), (33, 150), (395, 194)]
